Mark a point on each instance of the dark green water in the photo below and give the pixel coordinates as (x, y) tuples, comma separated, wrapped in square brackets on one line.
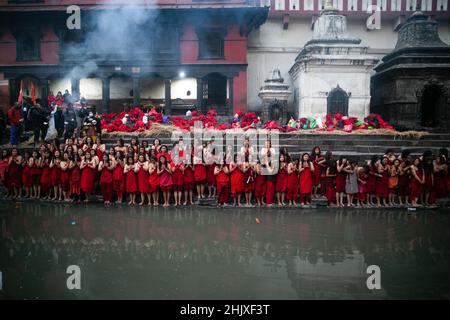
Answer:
[(206, 253)]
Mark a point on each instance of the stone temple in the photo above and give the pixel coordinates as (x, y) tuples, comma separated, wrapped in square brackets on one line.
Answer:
[(331, 74), (411, 86)]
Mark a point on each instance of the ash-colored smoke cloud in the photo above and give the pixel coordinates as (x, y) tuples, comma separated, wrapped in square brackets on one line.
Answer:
[(115, 33)]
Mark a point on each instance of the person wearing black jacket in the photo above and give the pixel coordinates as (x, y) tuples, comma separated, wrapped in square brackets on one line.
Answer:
[(70, 122), (59, 121), (38, 118)]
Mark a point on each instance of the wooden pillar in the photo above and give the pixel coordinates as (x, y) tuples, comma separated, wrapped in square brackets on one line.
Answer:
[(105, 95), (167, 96), (200, 95), (230, 95), (136, 92), (44, 92), (75, 84)]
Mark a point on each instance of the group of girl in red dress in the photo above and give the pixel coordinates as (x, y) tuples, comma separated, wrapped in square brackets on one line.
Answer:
[(146, 174)]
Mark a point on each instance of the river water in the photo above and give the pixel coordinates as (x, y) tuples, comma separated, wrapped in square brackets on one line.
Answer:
[(137, 252)]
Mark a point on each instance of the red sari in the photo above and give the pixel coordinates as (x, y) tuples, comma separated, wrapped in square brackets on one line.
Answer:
[(27, 180), (222, 181), (106, 184), (46, 178), (382, 185), (188, 178), (237, 182), (153, 181), (249, 181), (371, 181), (65, 179), (87, 179), (292, 186), (416, 186), (56, 176), (282, 181), (199, 173), (340, 182), (14, 175), (210, 178), (118, 179), (317, 167), (306, 181), (260, 186), (330, 190), (142, 178), (130, 182), (75, 180), (177, 176)]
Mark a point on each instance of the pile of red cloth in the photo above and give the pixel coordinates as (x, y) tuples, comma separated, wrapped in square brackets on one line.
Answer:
[(348, 124)]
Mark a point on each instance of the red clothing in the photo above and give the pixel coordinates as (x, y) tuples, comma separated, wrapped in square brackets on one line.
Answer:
[(210, 178), (130, 182), (46, 178), (87, 179), (292, 186), (14, 175), (371, 181), (75, 180), (51, 98), (317, 168), (106, 176), (65, 179), (27, 180), (382, 185), (199, 173), (416, 186), (306, 181), (56, 176), (282, 181), (330, 190), (177, 175), (260, 186), (165, 179), (270, 191), (249, 181), (428, 183), (153, 180), (14, 116), (142, 178), (188, 178), (340, 182), (222, 181), (237, 182), (118, 179)]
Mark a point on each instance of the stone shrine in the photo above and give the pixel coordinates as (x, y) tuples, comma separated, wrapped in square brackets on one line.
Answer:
[(332, 72)]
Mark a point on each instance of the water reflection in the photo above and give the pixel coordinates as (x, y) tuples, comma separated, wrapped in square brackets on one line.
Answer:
[(135, 252)]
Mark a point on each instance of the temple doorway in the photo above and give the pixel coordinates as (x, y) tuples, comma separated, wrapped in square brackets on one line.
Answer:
[(337, 102), (430, 106)]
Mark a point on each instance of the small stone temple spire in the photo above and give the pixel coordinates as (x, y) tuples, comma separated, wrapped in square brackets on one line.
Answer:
[(329, 7)]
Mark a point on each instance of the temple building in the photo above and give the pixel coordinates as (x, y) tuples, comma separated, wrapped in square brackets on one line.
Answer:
[(332, 72), (411, 87), (173, 54)]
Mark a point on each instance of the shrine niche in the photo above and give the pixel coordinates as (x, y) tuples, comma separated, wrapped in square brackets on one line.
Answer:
[(410, 86), (274, 95)]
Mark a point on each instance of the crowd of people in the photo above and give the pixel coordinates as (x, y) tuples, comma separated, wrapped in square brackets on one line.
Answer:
[(154, 174), (63, 116)]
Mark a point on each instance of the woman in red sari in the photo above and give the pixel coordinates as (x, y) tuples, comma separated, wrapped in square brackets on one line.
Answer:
[(188, 182), (14, 173), (141, 169), (440, 170), (404, 183), (75, 178), (249, 182), (270, 182), (222, 181), (281, 183), (237, 181), (130, 180), (165, 179), (292, 183), (88, 167), (106, 168), (153, 180), (27, 182), (341, 164), (65, 176), (330, 191), (210, 161), (382, 183), (199, 171), (318, 161), (428, 187), (177, 167), (56, 175), (46, 176), (260, 184), (306, 169), (417, 181), (118, 176)]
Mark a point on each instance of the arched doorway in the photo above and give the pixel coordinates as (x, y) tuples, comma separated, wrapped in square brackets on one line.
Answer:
[(337, 102), (215, 92), (430, 106)]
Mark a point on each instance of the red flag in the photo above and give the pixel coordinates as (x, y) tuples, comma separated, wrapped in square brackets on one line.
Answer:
[(19, 99), (33, 94)]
